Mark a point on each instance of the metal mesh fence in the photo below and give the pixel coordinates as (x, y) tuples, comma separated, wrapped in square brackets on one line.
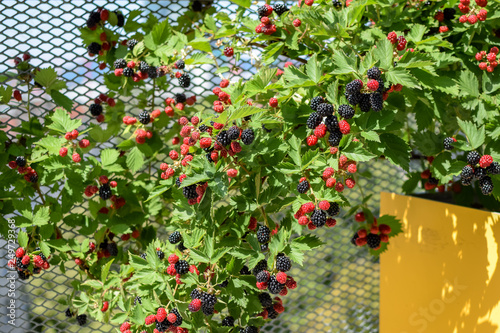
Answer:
[(338, 285)]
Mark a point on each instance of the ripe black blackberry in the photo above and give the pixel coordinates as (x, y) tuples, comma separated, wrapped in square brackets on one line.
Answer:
[(184, 80), (175, 237), (353, 87), (247, 136), (20, 265), (143, 67), (120, 63), (486, 185), (373, 73), (21, 161), (203, 128), (163, 326), (303, 186), (128, 72), (131, 43), (223, 138), (346, 111), (283, 263), (336, 4), (223, 284), (479, 172), (95, 109), (37, 270), (354, 237), (137, 299), (196, 6), (94, 18), (228, 321), (264, 247), (144, 117), (376, 101), (325, 109), (144, 255), (334, 209), (261, 266), (190, 192), (449, 13), (208, 299), (81, 319), (318, 217), (274, 286), (178, 321), (34, 178), (245, 270), (23, 275), (433, 181), (181, 247), (152, 72), (473, 157), (180, 98), (373, 240), (94, 48), (262, 276), (335, 137), (160, 254), (279, 9), (120, 17), (448, 143), (207, 309), (233, 133), (353, 99), (263, 234), (182, 267), (381, 86), (262, 11), (332, 123), (272, 313), (467, 172), (178, 182), (113, 249), (494, 168), (314, 120), (105, 191), (265, 300), (364, 103), (315, 102), (180, 64), (68, 313)]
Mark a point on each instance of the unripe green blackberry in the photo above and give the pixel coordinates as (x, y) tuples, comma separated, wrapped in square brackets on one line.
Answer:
[(473, 157), (228, 321), (346, 111), (280, 9), (144, 117), (376, 101), (332, 123), (373, 73), (334, 209), (335, 137), (303, 186), (182, 267), (143, 67), (131, 43), (128, 72), (373, 240), (105, 191), (180, 98), (364, 102), (175, 237), (223, 139), (314, 120), (325, 109), (318, 217), (120, 63), (190, 192), (265, 300), (233, 133), (315, 102), (274, 286), (21, 161), (263, 234), (184, 80), (95, 109), (247, 136), (486, 185), (283, 263)]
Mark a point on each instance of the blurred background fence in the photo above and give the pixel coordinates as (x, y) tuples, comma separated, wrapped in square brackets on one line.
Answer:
[(339, 284)]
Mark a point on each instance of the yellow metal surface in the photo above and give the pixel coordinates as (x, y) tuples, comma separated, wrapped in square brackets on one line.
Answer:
[(442, 275)]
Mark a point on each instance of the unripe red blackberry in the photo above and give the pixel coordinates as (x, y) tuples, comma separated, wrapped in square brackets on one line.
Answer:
[(485, 161)]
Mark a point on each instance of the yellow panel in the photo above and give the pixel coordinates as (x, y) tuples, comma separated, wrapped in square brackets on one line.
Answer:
[(442, 275)]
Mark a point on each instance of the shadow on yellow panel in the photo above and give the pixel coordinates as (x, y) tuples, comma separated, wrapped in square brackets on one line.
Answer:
[(442, 275)]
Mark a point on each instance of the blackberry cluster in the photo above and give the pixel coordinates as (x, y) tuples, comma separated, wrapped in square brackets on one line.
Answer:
[(279, 9), (182, 267), (20, 265), (105, 191), (180, 64), (233, 133), (368, 100), (223, 138), (120, 63), (128, 72), (265, 300), (144, 117), (473, 171), (21, 161), (95, 109), (175, 237), (94, 19), (303, 186), (334, 209), (318, 218), (189, 192), (160, 254), (113, 249), (314, 120), (143, 67), (94, 48), (131, 43), (283, 263), (274, 286), (315, 102), (228, 322), (263, 234), (346, 111), (180, 98), (325, 109), (81, 319), (184, 80), (331, 122), (373, 240), (448, 143)]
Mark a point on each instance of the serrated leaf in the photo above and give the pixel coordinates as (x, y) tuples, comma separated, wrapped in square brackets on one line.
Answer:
[(61, 100), (44, 247), (344, 64), (105, 270), (384, 52), (157, 36), (313, 68), (62, 121), (475, 136), (41, 216), (109, 156), (199, 58), (138, 48), (47, 77), (370, 135), (93, 284), (242, 3), (396, 150), (416, 33), (271, 52), (355, 151), (201, 44), (135, 159), (401, 76), (244, 111), (468, 83), (22, 239), (52, 144)]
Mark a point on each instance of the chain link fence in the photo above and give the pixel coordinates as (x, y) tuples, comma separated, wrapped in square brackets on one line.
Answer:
[(339, 283)]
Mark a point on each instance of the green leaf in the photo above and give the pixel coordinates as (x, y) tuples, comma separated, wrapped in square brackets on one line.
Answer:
[(93, 284), (416, 33), (475, 136), (22, 239), (108, 157), (332, 94), (105, 270), (42, 216), (199, 58), (44, 247), (370, 135), (157, 36), (396, 150), (47, 77), (6, 93), (62, 121), (259, 81), (244, 111), (135, 159), (294, 77), (384, 52), (52, 144), (61, 100), (138, 49), (314, 71), (271, 52), (356, 152), (242, 3), (195, 179), (201, 44), (344, 64), (199, 256), (402, 76), (468, 83)]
